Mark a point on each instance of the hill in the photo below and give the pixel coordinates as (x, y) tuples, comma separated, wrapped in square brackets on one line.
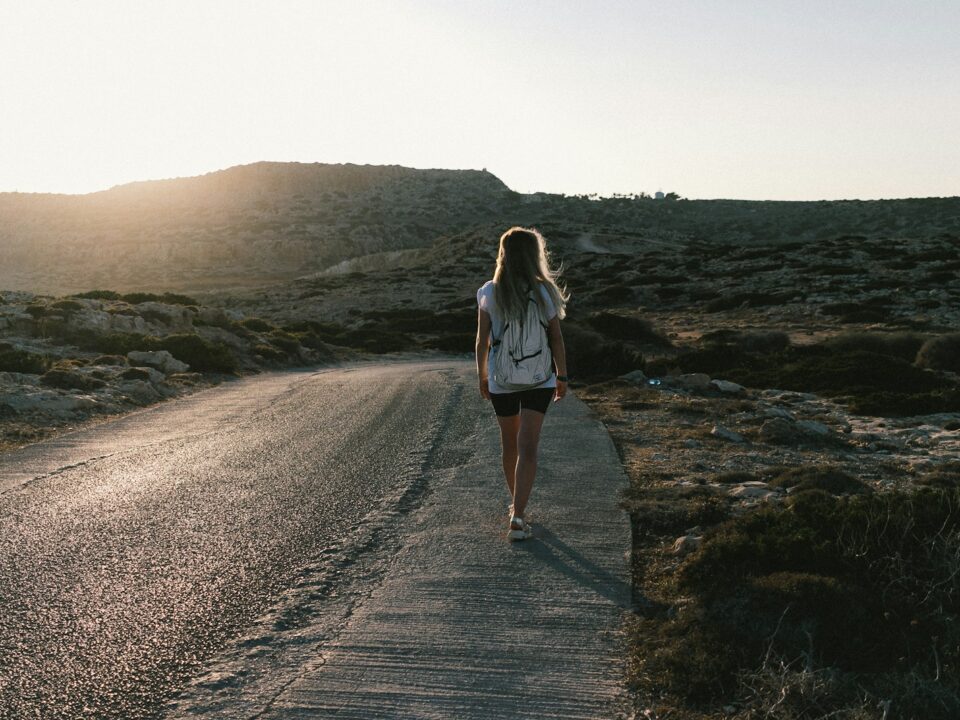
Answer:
[(269, 223), (237, 227)]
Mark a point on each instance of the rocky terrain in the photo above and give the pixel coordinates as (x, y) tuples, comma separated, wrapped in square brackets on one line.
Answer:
[(260, 224), (782, 381), (77, 359)]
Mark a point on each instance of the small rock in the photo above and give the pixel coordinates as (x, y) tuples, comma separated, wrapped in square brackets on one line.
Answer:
[(47, 402), (726, 434), (778, 412), (174, 317), (778, 430), (751, 490), (692, 381), (692, 443), (159, 359), (139, 392), (686, 544), (189, 378), (727, 386), (636, 377), (813, 427), (143, 373)]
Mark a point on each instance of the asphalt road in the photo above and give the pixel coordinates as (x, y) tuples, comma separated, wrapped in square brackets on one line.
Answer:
[(133, 552)]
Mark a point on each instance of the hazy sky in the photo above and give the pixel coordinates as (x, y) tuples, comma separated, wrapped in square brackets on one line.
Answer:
[(761, 99)]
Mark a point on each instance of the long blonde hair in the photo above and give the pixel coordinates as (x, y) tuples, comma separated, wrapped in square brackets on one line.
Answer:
[(522, 263)]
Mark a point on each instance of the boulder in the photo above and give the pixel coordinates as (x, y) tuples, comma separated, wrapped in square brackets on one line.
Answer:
[(105, 322), (812, 427), (159, 359), (217, 334), (219, 317), (691, 381), (686, 544), (778, 412), (779, 431), (751, 491), (636, 377), (139, 392), (176, 318), (48, 402), (186, 378), (727, 386), (146, 372), (726, 434)]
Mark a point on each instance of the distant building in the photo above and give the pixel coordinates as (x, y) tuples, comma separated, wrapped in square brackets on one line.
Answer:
[(658, 195)]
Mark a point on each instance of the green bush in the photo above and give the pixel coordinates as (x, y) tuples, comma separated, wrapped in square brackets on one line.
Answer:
[(257, 324), (68, 306), (626, 328), (591, 355), (21, 361), (666, 511), (872, 377), (70, 380), (269, 353), (98, 295), (866, 315), (750, 299), (452, 343), (945, 477), (893, 404), (614, 295), (374, 340), (200, 354), (285, 341), (817, 477), (135, 374), (747, 341), (940, 353), (735, 477), (168, 298), (310, 339), (903, 345), (110, 343), (110, 360)]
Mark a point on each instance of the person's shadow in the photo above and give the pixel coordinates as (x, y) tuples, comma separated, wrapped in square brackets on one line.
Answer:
[(557, 554)]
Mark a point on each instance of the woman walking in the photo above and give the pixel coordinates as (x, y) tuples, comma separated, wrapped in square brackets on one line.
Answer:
[(518, 333)]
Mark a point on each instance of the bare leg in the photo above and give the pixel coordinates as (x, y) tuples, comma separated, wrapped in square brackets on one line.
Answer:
[(528, 443), (509, 430)]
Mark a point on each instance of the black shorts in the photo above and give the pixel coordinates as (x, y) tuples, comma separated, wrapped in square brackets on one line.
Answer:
[(509, 404)]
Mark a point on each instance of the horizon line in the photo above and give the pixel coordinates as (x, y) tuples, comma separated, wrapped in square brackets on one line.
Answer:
[(590, 196)]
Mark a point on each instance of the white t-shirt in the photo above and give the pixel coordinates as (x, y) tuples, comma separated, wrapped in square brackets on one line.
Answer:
[(487, 303)]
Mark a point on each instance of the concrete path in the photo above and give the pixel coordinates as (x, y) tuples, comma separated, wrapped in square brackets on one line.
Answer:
[(466, 625)]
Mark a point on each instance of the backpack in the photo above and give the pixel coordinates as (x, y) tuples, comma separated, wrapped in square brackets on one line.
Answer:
[(522, 358)]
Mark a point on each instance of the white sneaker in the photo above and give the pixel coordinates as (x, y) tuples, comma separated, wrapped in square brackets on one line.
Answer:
[(519, 529)]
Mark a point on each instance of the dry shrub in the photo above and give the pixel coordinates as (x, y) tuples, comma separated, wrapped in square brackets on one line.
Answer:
[(591, 355), (747, 341), (820, 477), (941, 353), (21, 361), (858, 595), (903, 345), (626, 328)]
